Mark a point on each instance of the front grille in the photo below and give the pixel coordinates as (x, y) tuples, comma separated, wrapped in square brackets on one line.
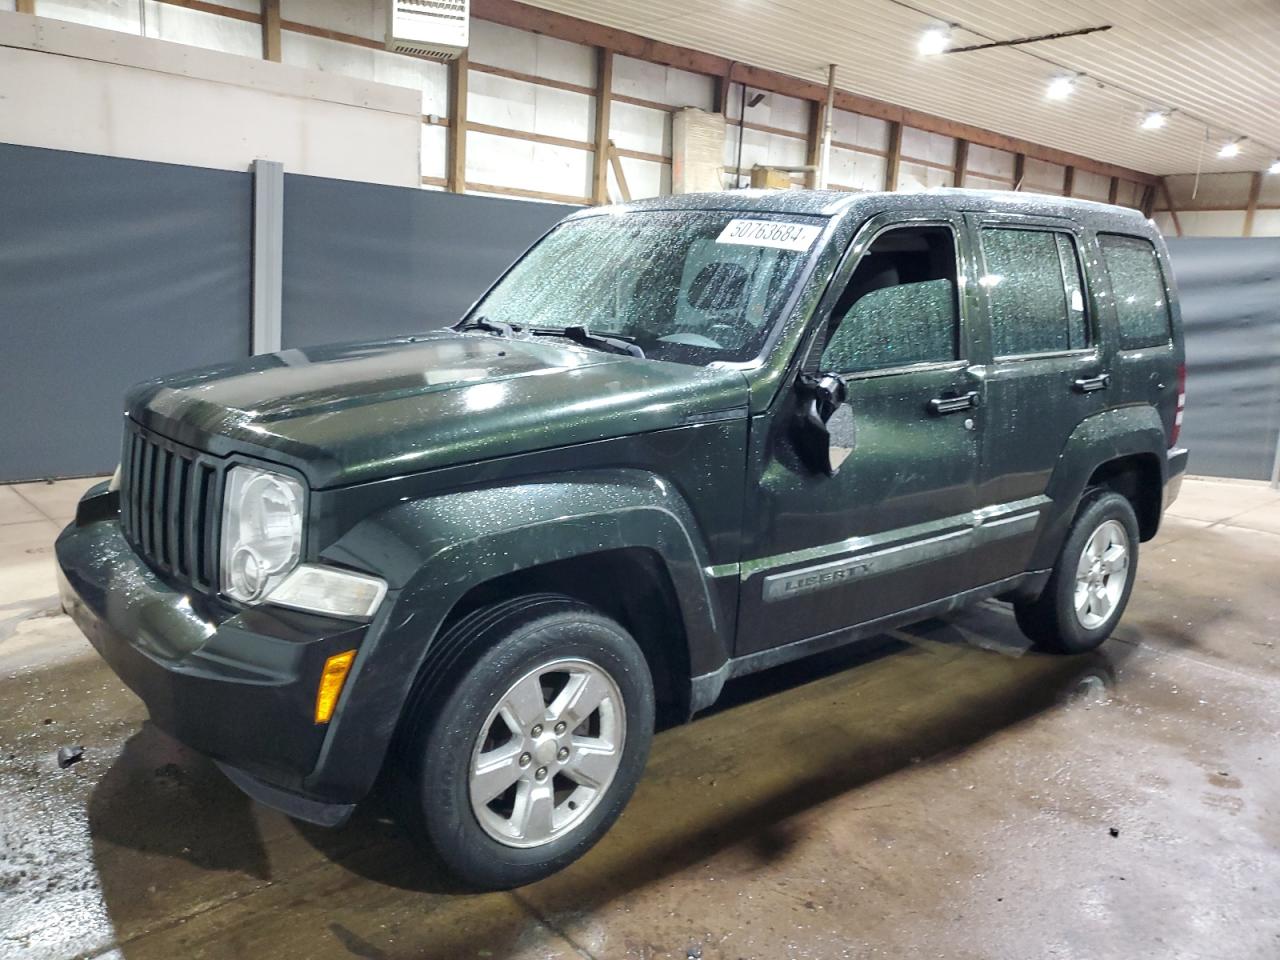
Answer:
[(169, 496)]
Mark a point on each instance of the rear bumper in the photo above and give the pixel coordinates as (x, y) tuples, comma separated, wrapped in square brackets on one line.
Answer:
[(1175, 469), (236, 685)]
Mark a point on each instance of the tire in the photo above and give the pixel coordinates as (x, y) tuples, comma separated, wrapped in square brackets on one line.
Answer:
[(1053, 621), (481, 727)]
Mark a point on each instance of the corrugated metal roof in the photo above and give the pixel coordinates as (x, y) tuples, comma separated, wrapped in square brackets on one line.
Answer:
[(1215, 61)]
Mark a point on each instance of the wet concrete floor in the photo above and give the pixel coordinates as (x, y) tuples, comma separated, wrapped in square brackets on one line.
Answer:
[(941, 792)]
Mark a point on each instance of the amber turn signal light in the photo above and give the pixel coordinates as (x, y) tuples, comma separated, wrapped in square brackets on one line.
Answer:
[(332, 678)]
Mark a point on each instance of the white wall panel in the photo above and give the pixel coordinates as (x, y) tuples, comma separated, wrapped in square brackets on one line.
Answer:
[(362, 63), (8, 6), (198, 29), (127, 96), (775, 110), (975, 182), (1266, 223), (435, 150), (916, 176), (922, 145), (861, 131), (501, 46), (984, 162), (765, 149), (119, 15), (361, 18), (1039, 176), (503, 102), (1128, 194), (1211, 223), (1091, 186), (652, 81), (507, 162), (645, 178), (640, 128), (858, 171)]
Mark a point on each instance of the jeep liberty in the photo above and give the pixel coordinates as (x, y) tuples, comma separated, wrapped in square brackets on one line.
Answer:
[(680, 440)]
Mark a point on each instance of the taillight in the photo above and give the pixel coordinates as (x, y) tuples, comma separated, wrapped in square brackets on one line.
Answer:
[(1182, 405)]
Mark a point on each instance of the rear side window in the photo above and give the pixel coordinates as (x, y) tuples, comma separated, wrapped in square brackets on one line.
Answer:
[(1034, 291), (1141, 304)]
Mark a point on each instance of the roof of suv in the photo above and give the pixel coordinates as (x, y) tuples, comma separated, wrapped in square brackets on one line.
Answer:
[(833, 202)]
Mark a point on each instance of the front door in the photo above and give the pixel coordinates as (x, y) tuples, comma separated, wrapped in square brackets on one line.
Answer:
[(888, 531)]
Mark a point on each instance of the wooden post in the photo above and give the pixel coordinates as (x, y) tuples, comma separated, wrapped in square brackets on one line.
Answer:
[(962, 162), (1255, 190), (1148, 203), (1068, 180), (618, 173), (1168, 202), (271, 30), (1019, 170), (26, 6), (721, 92), (1114, 193), (893, 156), (456, 171), (813, 142), (604, 99)]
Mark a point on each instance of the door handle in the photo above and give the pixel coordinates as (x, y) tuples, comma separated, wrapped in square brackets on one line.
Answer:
[(942, 405), (1090, 384)]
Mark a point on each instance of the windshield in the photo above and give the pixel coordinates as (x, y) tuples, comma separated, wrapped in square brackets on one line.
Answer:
[(690, 286)]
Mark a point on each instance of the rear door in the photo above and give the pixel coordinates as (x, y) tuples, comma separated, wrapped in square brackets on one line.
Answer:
[(1047, 370)]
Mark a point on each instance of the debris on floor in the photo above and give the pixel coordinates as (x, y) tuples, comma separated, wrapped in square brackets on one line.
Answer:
[(69, 755)]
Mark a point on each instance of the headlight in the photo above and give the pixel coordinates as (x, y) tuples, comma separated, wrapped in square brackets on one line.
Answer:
[(261, 532)]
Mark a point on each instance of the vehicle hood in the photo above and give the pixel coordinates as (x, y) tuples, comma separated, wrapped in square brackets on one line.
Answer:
[(357, 412)]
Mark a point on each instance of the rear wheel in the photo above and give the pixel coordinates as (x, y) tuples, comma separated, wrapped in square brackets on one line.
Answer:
[(525, 760), (1091, 582)]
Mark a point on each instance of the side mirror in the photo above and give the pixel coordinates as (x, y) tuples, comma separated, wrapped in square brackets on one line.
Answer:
[(824, 431)]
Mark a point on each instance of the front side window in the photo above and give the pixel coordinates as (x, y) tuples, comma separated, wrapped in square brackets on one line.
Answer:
[(689, 286), (1034, 292), (1141, 305), (899, 308)]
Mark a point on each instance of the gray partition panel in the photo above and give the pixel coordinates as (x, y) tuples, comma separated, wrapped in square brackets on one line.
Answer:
[(111, 271), (366, 261), (1230, 293)]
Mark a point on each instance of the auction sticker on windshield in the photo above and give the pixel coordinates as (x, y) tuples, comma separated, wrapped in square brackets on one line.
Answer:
[(770, 233)]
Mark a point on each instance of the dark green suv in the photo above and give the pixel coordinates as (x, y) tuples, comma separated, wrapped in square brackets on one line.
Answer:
[(679, 441)]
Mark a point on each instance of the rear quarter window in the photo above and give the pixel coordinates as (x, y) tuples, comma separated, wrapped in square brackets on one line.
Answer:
[(1142, 304)]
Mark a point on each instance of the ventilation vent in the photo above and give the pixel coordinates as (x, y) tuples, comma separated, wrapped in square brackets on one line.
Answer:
[(432, 29)]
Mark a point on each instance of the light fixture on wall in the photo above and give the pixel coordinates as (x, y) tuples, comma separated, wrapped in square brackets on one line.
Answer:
[(935, 40), (1060, 88), (1231, 149), (1155, 119)]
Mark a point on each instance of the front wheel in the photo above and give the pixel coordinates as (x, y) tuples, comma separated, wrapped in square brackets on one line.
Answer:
[(1091, 582), (531, 755)]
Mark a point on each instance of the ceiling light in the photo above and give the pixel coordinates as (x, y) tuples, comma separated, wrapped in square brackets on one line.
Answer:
[(1275, 167), (1155, 120), (934, 41), (1060, 88), (1231, 149)]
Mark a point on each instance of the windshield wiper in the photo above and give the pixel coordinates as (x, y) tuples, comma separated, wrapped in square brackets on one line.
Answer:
[(492, 326), (614, 343)]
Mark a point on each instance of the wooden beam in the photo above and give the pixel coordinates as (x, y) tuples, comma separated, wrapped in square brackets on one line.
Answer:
[(1148, 202), (26, 6), (456, 165), (604, 100), (641, 155), (1019, 170), (524, 17), (217, 9), (962, 162), (271, 30), (619, 174), (532, 194), (533, 78), (1168, 200), (1068, 180), (1255, 191), (893, 157), (1113, 192), (515, 134)]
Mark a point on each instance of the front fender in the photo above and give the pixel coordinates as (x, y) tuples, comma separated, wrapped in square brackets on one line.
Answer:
[(1106, 436), (434, 550)]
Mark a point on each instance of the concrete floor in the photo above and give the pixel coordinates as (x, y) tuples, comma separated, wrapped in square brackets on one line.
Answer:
[(942, 793)]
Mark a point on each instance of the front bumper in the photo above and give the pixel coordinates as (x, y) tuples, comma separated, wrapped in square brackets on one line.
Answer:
[(236, 685)]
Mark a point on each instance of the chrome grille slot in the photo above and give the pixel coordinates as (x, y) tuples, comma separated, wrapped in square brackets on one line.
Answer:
[(168, 506)]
